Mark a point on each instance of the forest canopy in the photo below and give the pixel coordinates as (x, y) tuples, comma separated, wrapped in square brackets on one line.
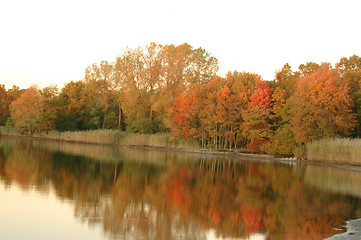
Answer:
[(176, 89)]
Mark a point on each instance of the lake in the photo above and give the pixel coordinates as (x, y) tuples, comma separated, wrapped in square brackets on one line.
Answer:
[(58, 190)]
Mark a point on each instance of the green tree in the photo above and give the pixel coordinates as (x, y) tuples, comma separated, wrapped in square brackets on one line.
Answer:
[(100, 97), (50, 100), (6, 98), (70, 114), (4, 109)]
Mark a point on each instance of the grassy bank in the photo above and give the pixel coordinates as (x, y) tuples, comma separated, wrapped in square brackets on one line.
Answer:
[(160, 140), (8, 131), (336, 150)]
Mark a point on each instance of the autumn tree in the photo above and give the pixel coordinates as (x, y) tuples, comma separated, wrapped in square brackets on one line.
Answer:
[(133, 87), (4, 111), (228, 110), (354, 82), (243, 84), (139, 81), (209, 121), (321, 106), (100, 96), (287, 79), (350, 70), (51, 104), (180, 117), (282, 139), (193, 114), (308, 68), (27, 111), (351, 64), (70, 114), (153, 79), (215, 115), (184, 66), (6, 98), (256, 118), (149, 79), (14, 93)]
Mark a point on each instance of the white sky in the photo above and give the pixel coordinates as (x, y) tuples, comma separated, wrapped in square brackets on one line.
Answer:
[(52, 42)]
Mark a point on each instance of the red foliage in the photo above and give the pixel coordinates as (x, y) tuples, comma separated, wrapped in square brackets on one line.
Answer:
[(262, 96), (215, 216), (252, 218), (181, 114), (176, 188), (256, 127), (255, 145)]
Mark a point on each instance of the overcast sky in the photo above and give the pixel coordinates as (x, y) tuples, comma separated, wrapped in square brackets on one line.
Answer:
[(52, 42)]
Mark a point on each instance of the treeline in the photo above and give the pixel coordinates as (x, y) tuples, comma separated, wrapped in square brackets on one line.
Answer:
[(175, 89), (134, 92), (242, 110)]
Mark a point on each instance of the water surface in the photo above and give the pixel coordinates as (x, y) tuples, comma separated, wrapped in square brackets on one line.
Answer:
[(57, 190)]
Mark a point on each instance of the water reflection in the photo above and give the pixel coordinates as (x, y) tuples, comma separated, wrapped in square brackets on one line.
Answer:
[(143, 194)]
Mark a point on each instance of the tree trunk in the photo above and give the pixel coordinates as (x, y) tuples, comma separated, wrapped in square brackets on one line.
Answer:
[(119, 114), (151, 113), (236, 141)]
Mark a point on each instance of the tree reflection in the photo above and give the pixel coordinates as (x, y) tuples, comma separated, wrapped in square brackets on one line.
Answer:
[(163, 198), (29, 167)]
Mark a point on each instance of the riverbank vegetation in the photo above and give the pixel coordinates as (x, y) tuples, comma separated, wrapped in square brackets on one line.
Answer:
[(334, 150), (111, 137), (174, 92)]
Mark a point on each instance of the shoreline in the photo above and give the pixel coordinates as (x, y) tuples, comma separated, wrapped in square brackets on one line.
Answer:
[(233, 153), (353, 231)]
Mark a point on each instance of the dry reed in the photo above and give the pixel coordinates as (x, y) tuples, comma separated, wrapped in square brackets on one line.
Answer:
[(115, 137), (335, 150)]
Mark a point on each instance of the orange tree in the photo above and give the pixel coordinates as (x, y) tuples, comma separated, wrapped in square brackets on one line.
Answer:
[(321, 106), (28, 112), (256, 118), (350, 70)]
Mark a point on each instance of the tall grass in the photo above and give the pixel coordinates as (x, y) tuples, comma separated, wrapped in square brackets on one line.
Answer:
[(8, 131), (335, 150), (160, 140)]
